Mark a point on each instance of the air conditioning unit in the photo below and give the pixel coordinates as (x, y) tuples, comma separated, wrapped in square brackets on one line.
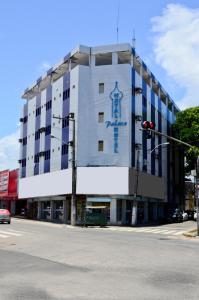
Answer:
[(20, 140), (138, 118), (138, 90), (42, 129), (138, 146), (42, 153)]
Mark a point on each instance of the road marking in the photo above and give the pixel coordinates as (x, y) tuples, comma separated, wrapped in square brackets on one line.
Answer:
[(178, 233), (169, 232), (17, 231), (3, 236), (10, 233)]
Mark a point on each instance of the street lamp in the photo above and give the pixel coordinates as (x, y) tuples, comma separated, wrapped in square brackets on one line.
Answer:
[(166, 143), (71, 117)]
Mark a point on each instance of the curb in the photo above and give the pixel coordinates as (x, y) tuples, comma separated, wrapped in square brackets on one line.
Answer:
[(192, 233)]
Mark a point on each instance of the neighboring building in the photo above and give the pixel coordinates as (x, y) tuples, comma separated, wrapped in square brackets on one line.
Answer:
[(110, 90), (9, 190)]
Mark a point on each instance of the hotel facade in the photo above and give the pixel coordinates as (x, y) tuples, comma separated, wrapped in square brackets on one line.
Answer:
[(110, 91)]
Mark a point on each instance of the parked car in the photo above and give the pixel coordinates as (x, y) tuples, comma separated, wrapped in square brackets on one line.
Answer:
[(185, 216), (195, 216), (177, 216), (190, 214), (5, 216)]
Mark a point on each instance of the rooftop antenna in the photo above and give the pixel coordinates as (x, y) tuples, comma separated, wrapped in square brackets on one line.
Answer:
[(117, 26), (133, 39)]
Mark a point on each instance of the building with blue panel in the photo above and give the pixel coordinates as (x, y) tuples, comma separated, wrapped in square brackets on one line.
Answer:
[(110, 91)]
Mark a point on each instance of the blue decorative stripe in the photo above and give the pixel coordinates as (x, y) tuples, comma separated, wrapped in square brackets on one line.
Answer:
[(133, 120), (144, 117), (48, 123), (159, 137), (24, 147), (37, 141), (65, 112), (153, 138)]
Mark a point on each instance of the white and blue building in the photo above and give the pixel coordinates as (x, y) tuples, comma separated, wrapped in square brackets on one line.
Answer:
[(111, 91)]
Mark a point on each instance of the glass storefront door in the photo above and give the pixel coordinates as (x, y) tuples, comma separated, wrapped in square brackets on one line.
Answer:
[(58, 211), (46, 210)]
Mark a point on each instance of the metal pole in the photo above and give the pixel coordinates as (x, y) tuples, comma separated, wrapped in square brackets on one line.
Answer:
[(137, 174), (73, 196), (167, 136)]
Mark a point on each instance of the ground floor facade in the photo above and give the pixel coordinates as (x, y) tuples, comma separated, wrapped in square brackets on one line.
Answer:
[(119, 210)]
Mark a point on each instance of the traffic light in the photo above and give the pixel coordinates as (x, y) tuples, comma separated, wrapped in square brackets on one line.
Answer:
[(148, 125)]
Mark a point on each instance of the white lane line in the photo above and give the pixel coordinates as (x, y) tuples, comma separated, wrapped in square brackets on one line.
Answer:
[(158, 231), (3, 236), (169, 232), (10, 233), (17, 231), (179, 232), (145, 230)]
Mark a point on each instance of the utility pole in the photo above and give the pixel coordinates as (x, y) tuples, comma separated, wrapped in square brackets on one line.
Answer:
[(71, 117), (74, 177)]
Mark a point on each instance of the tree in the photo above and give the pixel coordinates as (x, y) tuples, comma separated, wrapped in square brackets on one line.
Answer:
[(186, 128)]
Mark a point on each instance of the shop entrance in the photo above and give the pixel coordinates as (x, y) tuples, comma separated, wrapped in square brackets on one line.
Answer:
[(46, 210), (58, 211)]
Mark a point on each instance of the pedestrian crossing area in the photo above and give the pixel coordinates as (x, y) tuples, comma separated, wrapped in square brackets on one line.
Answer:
[(151, 230), (8, 233)]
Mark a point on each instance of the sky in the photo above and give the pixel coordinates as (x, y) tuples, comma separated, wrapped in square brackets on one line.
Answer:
[(34, 35)]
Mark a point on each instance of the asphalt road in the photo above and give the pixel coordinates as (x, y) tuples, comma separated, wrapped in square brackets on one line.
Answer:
[(49, 261)]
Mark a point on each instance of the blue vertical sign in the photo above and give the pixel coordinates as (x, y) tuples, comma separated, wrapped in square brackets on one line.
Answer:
[(116, 96)]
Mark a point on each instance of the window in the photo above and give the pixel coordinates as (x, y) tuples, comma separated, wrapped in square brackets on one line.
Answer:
[(48, 130), (101, 146), (23, 162), (37, 135), (66, 94), (48, 105), (38, 111), (65, 122), (64, 149), (36, 158), (24, 141), (47, 155), (100, 117), (101, 88)]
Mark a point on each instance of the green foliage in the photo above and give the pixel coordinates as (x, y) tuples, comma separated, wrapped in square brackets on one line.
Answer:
[(186, 128)]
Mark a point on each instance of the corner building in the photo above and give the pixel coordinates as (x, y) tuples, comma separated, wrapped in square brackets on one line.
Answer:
[(110, 91)]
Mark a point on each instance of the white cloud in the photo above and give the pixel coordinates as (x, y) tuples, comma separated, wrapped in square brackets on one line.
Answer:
[(9, 151), (176, 49)]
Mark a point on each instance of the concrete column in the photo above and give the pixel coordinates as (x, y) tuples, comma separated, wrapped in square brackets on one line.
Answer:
[(114, 58), (92, 60), (134, 213), (113, 211), (146, 212), (65, 211), (123, 212), (52, 210), (39, 210)]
